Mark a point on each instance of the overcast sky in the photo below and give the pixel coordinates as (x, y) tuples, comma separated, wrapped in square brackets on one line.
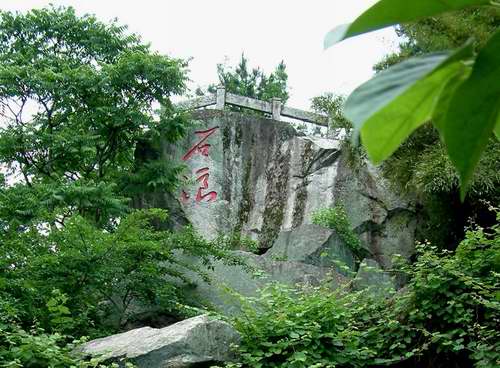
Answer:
[(266, 31)]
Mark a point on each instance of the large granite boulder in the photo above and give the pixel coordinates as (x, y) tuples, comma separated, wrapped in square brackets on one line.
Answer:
[(384, 220), (195, 342), (311, 244), (371, 276), (247, 282), (260, 177), (307, 255)]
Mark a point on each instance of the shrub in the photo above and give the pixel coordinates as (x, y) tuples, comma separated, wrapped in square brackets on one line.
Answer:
[(448, 315), (79, 277), (35, 348), (335, 218)]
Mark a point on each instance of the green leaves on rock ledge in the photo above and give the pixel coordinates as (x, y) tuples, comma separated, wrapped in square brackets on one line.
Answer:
[(390, 12), (457, 92)]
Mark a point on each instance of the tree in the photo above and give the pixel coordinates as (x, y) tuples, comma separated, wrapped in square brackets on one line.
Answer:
[(332, 105), (76, 97), (453, 89), (443, 32), (421, 165), (253, 83), (446, 316)]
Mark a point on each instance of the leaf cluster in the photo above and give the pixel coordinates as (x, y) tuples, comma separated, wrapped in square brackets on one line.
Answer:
[(101, 279), (253, 83), (332, 105), (76, 95), (336, 218), (447, 315), (451, 89)]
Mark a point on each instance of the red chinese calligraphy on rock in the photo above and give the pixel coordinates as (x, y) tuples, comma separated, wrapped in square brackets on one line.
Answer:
[(200, 146), (203, 179), (203, 175)]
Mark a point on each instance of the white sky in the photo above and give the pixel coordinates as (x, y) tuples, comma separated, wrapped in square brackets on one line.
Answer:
[(266, 31)]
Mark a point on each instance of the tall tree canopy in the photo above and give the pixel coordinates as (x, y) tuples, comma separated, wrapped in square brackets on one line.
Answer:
[(75, 96), (421, 165), (443, 32)]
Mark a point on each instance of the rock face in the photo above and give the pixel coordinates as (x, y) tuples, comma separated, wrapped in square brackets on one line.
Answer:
[(370, 275), (195, 342), (260, 177), (311, 244), (306, 255)]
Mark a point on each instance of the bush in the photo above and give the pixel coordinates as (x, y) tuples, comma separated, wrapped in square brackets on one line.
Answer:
[(37, 349), (335, 218), (307, 327), (84, 280), (448, 315)]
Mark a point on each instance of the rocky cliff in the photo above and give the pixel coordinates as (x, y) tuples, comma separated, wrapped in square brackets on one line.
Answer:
[(259, 176)]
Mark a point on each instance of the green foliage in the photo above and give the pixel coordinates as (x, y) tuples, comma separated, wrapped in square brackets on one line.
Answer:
[(75, 97), (35, 348), (471, 112), (335, 218), (332, 105), (443, 32), (235, 240), (421, 165), (446, 316), (58, 312), (406, 92), (434, 87), (311, 327), (253, 83), (389, 12), (78, 276)]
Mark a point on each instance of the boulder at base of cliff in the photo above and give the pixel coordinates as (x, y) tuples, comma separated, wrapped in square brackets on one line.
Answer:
[(194, 342), (371, 276)]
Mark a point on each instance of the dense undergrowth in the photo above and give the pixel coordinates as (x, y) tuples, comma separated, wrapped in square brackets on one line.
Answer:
[(75, 258), (446, 316), (80, 281)]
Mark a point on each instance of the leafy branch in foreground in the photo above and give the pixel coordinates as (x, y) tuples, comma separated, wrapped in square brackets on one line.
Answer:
[(454, 90)]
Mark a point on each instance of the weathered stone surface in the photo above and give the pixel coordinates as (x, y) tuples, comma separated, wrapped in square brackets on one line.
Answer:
[(194, 342), (305, 255), (260, 177), (384, 221), (267, 177), (311, 244), (265, 270), (371, 275)]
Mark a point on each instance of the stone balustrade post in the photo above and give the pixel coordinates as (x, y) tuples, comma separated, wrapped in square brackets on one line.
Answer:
[(276, 108), (220, 97)]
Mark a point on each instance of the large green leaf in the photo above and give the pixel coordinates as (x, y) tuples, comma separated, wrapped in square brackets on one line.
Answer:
[(443, 103), (387, 108), (473, 112), (389, 12)]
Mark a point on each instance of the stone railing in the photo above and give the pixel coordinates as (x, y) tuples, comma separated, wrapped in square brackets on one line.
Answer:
[(273, 108)]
